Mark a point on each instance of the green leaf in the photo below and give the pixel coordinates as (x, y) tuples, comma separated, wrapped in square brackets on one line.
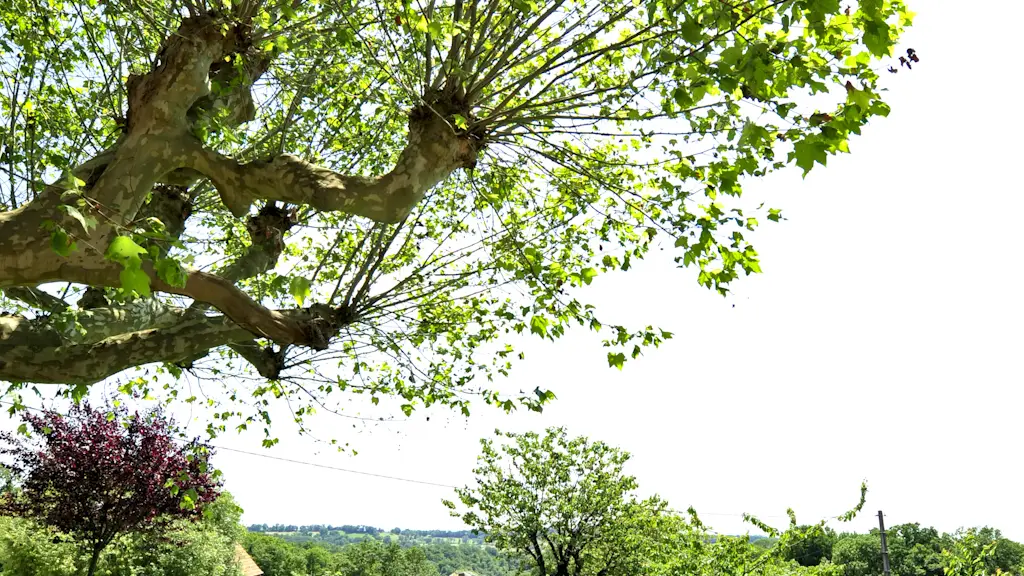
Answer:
[(539, 325), (189, 499), (133, 278), (588, 275), (299, 289), (691, 31), (123, 249), (78, 392), (809, 151), (170, 270), (87, 222), (436, 30), (877, 38), (72, 184), (862, 98), (616, 360), (422, 25), (61, 242)]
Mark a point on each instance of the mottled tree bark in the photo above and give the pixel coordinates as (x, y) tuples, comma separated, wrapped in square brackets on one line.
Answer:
[(433, 152)]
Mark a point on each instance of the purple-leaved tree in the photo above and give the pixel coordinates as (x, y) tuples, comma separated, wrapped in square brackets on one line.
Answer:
[(95, 474)]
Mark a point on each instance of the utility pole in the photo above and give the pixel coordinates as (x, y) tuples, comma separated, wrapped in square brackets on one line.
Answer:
[(885, 548)]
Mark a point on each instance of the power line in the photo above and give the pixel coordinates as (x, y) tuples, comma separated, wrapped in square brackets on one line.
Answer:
[(279, 458), (360, 472), (384, 476)]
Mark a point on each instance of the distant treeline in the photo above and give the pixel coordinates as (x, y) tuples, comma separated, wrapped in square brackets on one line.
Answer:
[(361, 529), (295, 554)]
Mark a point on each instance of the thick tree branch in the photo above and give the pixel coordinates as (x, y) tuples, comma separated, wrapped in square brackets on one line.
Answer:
[(36, 298), (86, 326), (433, 152), (90, 363), (200, 286), (266, 234), (265, 360), (42, 351), (161, 99), (163, 105)]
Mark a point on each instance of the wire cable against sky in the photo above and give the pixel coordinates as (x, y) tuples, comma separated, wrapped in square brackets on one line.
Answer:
[(302, 462), (325, 466), (377, 475)]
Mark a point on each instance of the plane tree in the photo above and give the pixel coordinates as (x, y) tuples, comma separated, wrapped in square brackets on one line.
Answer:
[(380, 196)]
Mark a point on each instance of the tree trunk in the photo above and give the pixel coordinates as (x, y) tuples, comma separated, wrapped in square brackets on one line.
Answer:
[(93, 561)]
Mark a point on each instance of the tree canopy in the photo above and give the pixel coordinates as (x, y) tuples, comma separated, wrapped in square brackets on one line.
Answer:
[(379, 196)]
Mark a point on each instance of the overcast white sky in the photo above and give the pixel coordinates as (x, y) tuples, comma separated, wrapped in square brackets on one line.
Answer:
[(882, 341)]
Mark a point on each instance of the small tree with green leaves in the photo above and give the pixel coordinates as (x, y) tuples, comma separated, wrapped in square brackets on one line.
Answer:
[(564, 503)]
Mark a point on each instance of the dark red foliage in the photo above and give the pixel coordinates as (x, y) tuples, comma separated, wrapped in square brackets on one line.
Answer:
[(95, 474)]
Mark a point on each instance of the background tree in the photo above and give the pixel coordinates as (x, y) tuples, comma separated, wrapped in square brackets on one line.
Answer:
[(97, 474), (318, 560), (1008, 555), (914, 550), (858, 554), (378, 196), (28, 549), (374, 558), (564, 504), (814, 548), (185, 548), (700, 552), (968, 555)]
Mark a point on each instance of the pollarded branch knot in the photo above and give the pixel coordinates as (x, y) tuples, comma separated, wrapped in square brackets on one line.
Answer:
[(449, 128), (268, 361), (325, 322), (457, 113), (268, 227), (171, 205)]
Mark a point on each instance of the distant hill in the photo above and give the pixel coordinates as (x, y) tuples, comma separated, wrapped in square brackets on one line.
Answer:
[(349, 533)]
